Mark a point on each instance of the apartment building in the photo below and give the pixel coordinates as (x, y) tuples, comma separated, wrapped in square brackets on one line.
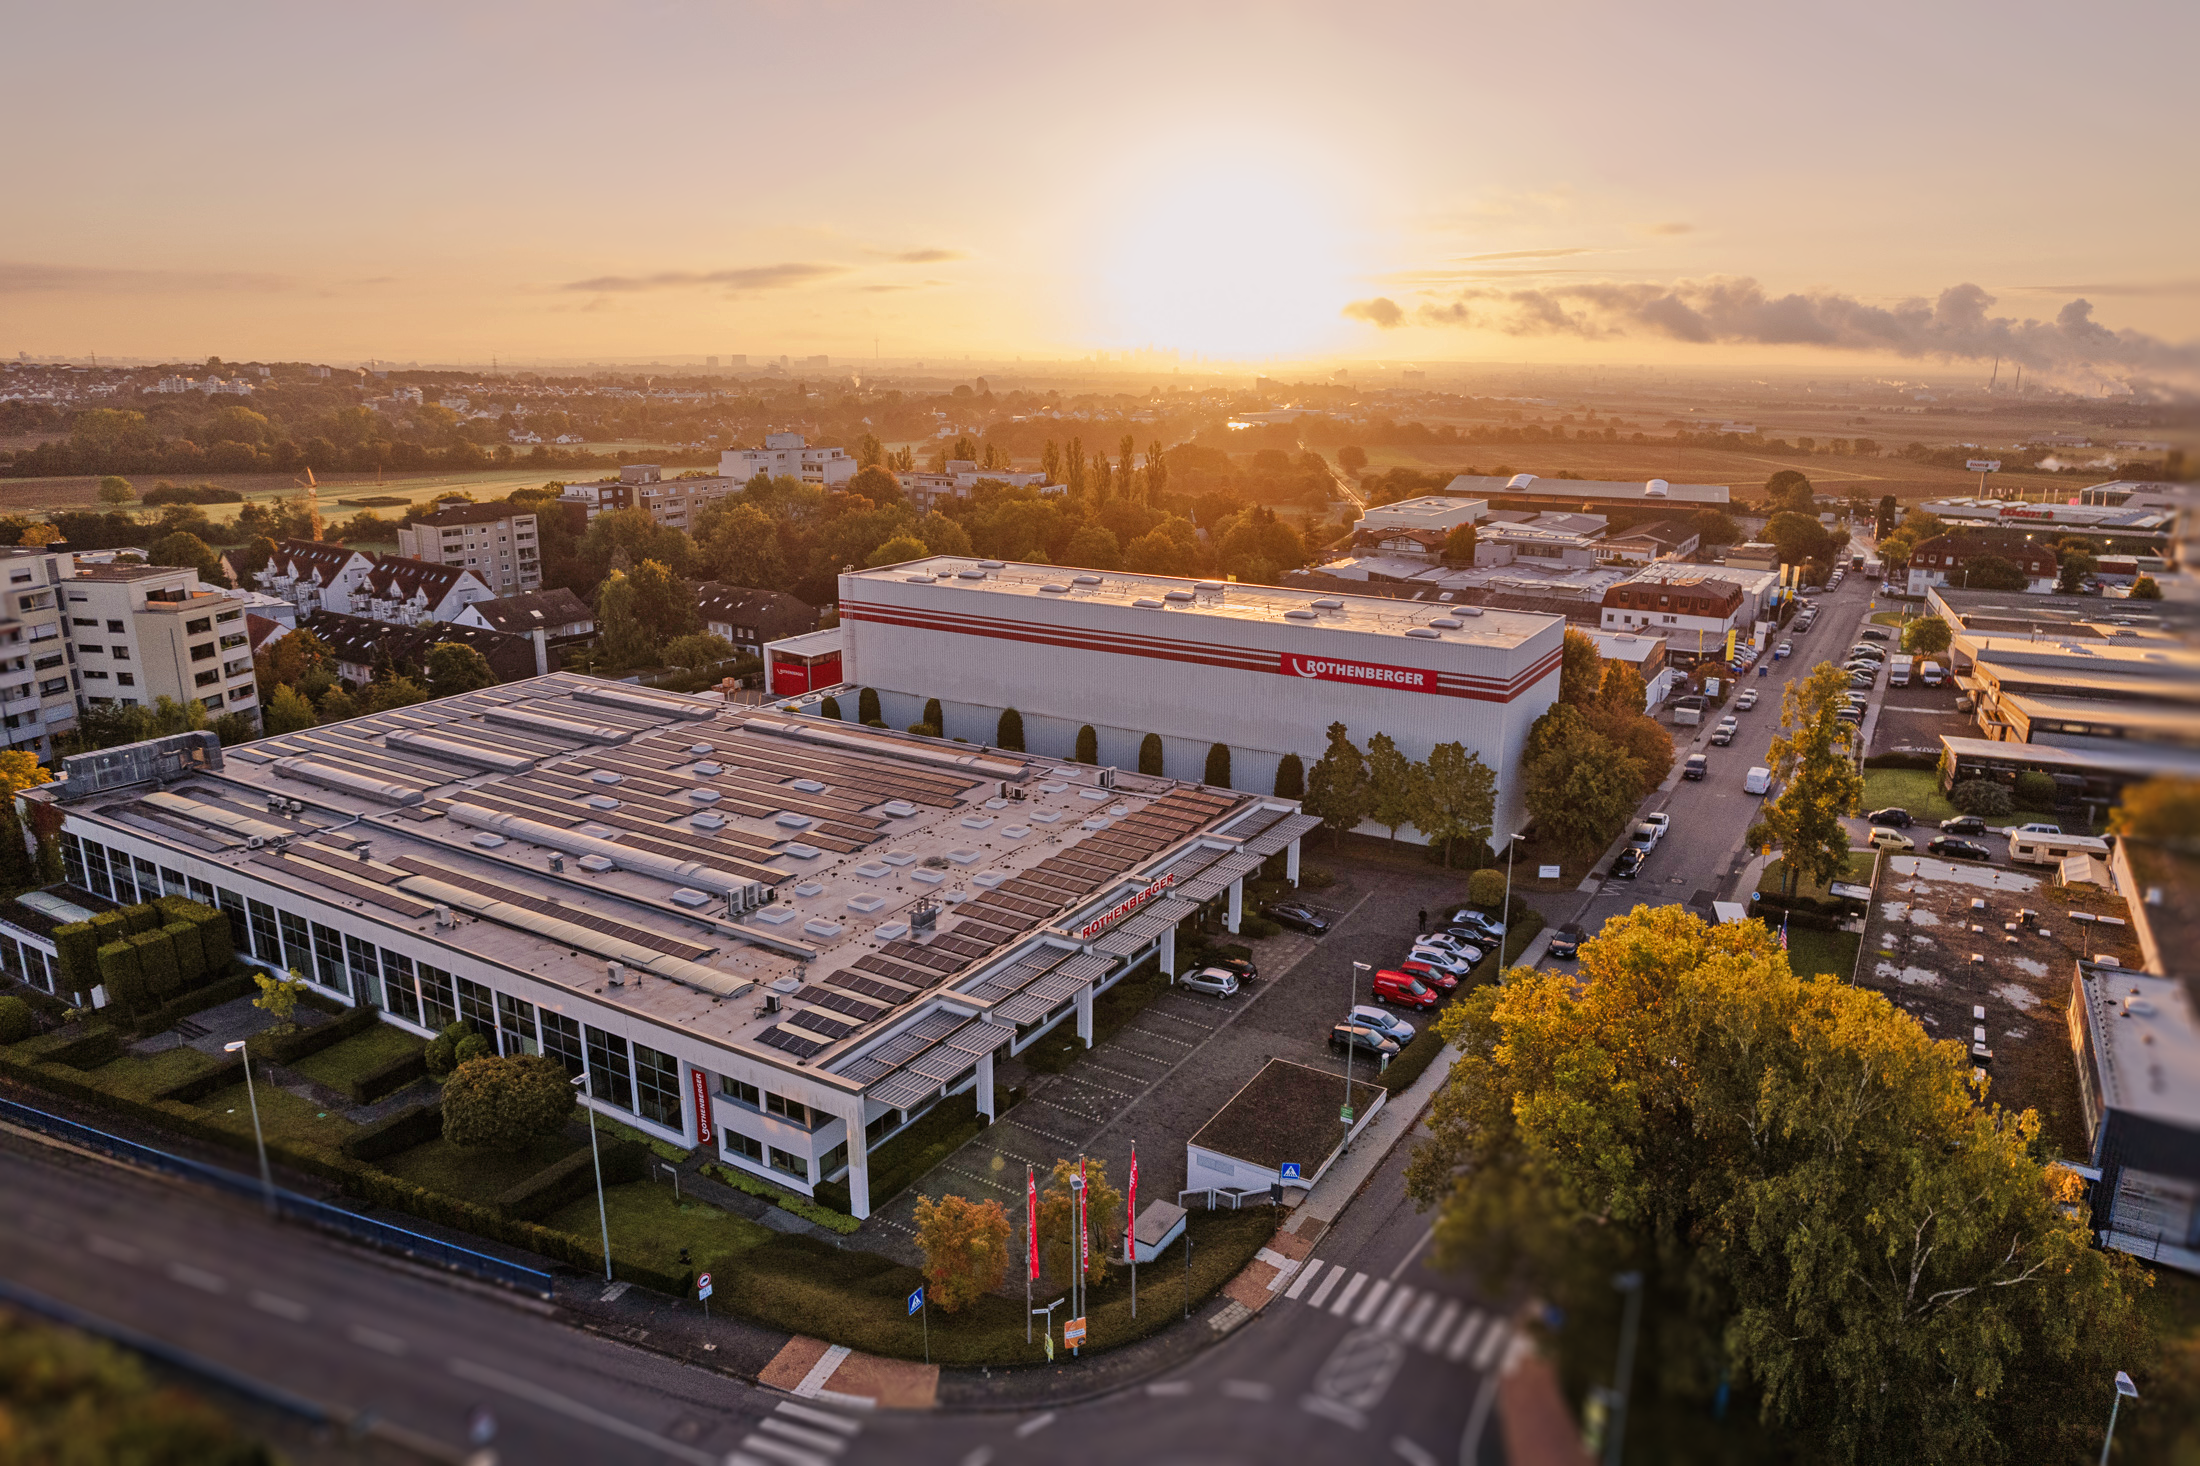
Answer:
[(37, 692), (494, 541), (312, 576), (670, 502), (143, 632), (788, 455)]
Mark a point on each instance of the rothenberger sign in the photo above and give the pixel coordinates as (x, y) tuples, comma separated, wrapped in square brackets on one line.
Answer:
[(1367, 674), (1128, 906)]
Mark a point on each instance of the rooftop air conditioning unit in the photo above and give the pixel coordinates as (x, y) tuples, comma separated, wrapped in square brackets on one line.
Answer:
[(1106, 778), (616, 971), (771, 1002), (443, 917), (255, 842)]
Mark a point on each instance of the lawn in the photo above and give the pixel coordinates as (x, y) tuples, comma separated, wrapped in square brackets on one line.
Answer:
[(1859, 871), (1815, 951), (1916, 790), (649, 1228), (475, 1175), (342, 1062), (140, 1078), (283, 1116)]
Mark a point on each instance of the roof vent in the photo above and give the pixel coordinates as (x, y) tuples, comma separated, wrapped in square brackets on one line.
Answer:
[(992, 565), (1147, 603), (1520, 481), (1084, 580), (1446, 623), (1054, 588), (1467, 611), (1179, 597), (970, 575), (918, 579), (1425, 632), (606, 776), (1329, 603), (1655, 488), (1301, 614), (488, 841)]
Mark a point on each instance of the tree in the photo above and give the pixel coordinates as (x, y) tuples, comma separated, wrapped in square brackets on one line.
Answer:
[(934, 713), (288, 712), (20, 770), (1622, 690), (1088, 746), (1790, 490), (899, 550), (505, 1104), (1155, 553), (69, 1397), (1813, 756), (1337, 787), (1397, 786), (279, 998), (1150, 756), (1580, 669), (1058, 1227), (1982, 797), (1883, 522), (1218, 766), (1291, 777), (2077, 568), (1991, 572), (1714, 527), (1009, 733), (38, 536), (1459, 800), (829, 708), (2163, 809), (1157, 472), (1351, 459), (1926, 636), (697, 650), (739, 544), (1578, 785), (454, 667), (1820, 1202), (392, 692), (1800, 538), (235, 728), (1093, 548), (876, 484), (189, 552), (2144, 589), (965, 1246), (115, 489), (625, 640), (1459, 546)]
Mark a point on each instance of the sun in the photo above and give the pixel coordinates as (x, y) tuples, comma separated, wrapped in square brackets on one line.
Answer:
[(1237, 259)]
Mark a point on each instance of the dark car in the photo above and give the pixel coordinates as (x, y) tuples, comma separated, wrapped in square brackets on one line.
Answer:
[(1894, 816), (1297, 917), (1955, 849), (1363, 1039), (1238, 967), (1628, 865), (1695, 767), (1872, 633), (1963, 824), (1566, 941)]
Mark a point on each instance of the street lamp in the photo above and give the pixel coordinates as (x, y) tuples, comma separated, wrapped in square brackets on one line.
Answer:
[(1629, 1283), (1351, 995), (1511, 841), (603, 1216), (2124, 1387), (259, 1138)]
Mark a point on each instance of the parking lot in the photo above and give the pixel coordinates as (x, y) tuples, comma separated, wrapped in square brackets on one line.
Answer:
[(1163, 1075)]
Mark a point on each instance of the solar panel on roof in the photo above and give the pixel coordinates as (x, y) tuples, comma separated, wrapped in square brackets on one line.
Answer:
[(828, 1027), (779, 1036)]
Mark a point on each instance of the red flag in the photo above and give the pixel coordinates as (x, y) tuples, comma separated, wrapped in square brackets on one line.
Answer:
[(1130, 1208), (1031, 1217), (1084, 1235)]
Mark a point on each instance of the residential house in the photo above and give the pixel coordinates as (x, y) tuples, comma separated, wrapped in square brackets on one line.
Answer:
[(1945, 558), (358, 645), (750, 618), (562, 617), (144, 632)]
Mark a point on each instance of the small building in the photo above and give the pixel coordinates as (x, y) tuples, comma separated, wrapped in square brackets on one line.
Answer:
[(1679, 610), (563, 617), (751, 619), (1442, 513), (2138, 1054), (1753, 555), (959, 478), (673, 502), (1945, 559), (1643, 652), (1285, 1127), (1646, 544), (802, 664)]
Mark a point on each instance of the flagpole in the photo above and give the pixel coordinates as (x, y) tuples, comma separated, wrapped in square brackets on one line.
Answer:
[(1031, 1248), (1130, 1228)]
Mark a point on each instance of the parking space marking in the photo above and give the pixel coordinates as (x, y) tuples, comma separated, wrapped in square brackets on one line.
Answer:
[(1165, 1038), (280, 1307), (112, 1250), (198, 1277), (1132, 1078)]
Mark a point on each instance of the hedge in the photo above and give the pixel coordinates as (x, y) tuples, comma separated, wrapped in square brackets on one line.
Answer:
[(140, 919), (571, 1178), (387, 1079), (100, 1046), (156, 957), (394, 1133), (1412, 1061), (225, 990), (1900, 760), (787, 1201), (190, 1091), (119, 974), (76, 953), (190, 952), (289, 1048)]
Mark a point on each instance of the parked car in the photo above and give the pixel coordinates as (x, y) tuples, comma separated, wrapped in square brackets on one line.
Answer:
[(1478, 923), (1629, 864), (1695, 766), (1662, 822), (1746, 701), (1389, 1024), (2039, 829), (1433, 970), (1963, 824), (1724, 733), (1393, 988), (1894, 816), (1850, 715), (1757, 781), (1364, 1040), (1297, 917), (1241, 968), (1783, 651), (1867, 654), (1459, 947), (1891, 840), (1954, 849), (1874, 633), (1566, 941), (1210, 980)]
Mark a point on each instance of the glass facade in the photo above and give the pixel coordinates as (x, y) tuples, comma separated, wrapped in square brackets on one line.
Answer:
[(438, 999), (561, 1040), (328, 951), (657, 1087), (516, 1026), (608, 1078), (398, 993)]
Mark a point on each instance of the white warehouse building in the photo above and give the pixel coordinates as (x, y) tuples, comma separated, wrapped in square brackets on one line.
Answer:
[(1260, 669)]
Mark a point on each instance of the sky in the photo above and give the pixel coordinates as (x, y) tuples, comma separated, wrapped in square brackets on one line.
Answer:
[(1875, 184)]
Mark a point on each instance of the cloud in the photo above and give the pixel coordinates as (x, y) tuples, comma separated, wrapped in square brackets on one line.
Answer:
[(751, 277), (1671, 226), (28, 277), (924, 256), (2146, 289), (1381, 311), (1528, 254), (1728, 310)]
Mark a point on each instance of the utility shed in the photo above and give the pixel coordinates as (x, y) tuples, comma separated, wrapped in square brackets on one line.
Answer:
[(1286, 1116)]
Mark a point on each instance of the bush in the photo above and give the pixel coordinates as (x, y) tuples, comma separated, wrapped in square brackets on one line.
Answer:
[(100, 1046), (829, 708), (188, 953), (1486, 888), (17, 1021), (1412, 1061), (441, 1054), (1150, 754), (399, 1132), (119, 974), (1903, 760), (190, 1091), (574, 1176), (76, 952), (1254, 927), (787, 1201), (198, 1000), (934, 715), (1088, 746), (1981, 797), (504, 1103), (156, 955), (926, 730), (1218, 766), (386, 1079), (473, 1046), (1009, 734), (1291, 777), (2036, 790), (867, 711), (289, 1048)]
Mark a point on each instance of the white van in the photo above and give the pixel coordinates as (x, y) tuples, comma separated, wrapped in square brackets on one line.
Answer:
[(1898, 672), (2033, 848), (1757, 780), (1929, 673)]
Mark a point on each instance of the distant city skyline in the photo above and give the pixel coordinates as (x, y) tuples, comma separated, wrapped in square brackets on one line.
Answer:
[(1878, 186)]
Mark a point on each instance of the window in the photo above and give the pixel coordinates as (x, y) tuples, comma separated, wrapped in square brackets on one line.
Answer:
[(230, 616), (744, 1145), (198, 627), (202, 651), (240, 930), (561, 1040), (328, 950), (787, 1109), (297, 946), (438, 999), (115, 626), (366, 973), (477, 1006), (120, 652), (657, 1087), (794, 1165), (72, 861), (126, 679), (738, 1092), (878, 1129), (267, 942), (91, 621), (240, 694), (397, 986), (202, 892), (171, 882), (96, 676), (516, 1025), (207, 679), (833, 1162), (607, 1071)]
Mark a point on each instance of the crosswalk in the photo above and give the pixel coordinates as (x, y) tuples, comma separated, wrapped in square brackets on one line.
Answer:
[(796, 1435), (1430, 1321)]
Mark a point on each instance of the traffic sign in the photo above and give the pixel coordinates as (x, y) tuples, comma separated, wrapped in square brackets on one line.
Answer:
[(702, 1286), (916, 1299), (1290, 1171), (1073, 1332)]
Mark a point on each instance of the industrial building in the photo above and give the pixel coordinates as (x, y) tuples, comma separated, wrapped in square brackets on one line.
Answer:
[(1650, 498), (776, 937), (1259, 669)]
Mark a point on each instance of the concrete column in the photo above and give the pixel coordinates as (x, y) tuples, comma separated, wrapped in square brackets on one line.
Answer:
[(859, 1165), (985, 1086), (1237, 906), (1291, 862), (1168, 953), (1084, 1014)]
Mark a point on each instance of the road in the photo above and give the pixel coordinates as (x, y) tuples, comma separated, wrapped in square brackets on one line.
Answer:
[(1377, 1358), (1702, 856)]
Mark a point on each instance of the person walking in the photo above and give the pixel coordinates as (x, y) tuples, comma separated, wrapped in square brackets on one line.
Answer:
[(1421, 924)]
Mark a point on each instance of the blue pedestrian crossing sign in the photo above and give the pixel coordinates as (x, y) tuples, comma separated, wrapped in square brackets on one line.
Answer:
[(1290, 1171), (916, 1299)]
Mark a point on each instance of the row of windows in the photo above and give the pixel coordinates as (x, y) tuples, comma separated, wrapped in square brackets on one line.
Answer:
[(632, 1076), (22, 960), (742, 1093)]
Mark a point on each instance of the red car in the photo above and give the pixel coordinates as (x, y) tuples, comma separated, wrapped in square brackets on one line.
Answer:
[(1403, 990), (1435, 977)]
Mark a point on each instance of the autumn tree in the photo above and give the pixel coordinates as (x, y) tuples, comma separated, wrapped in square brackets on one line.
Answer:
[(1578, 784), (965, 1246), (1789, 490), (454, 667), (2142, 589), (896, 551), (1397, 787), (1058, 1227), (1459, 800), (1580, 669), (1823, 1207), (1992, 572), (288, 712), (739, 544), (1337, 789), (1622, 691), (1926, 636), (115, 489), (697, 650), (2163, 809), (1814, 759), (626, 641), (1094, 548), (20, 770), (1459, 545), (504, 1104)]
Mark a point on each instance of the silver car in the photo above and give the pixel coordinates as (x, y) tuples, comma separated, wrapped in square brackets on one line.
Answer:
[(1210, 980), (1383, 1021)]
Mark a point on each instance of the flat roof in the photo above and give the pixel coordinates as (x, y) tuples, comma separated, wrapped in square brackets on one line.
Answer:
[(2144, 762), (1217, 602), (1288, 1112), (1496, 490), (713, 850), (2146, 1043)]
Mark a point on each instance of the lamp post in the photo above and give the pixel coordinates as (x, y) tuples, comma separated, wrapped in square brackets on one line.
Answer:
[(1351, 994), (1511, 842), (603, 1215), (1631, 1284), (259, 1138), (2124, 1387)]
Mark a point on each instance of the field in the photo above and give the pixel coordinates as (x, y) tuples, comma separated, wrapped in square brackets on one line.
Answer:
[(45, 495)]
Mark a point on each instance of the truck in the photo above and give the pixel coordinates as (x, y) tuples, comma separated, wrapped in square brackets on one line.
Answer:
[(1898, 672), (1929, 673)]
